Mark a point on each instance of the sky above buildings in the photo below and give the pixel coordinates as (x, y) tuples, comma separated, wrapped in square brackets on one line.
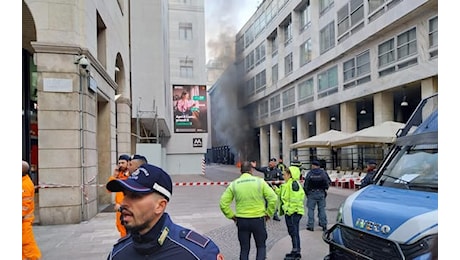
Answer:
[(223, 19)]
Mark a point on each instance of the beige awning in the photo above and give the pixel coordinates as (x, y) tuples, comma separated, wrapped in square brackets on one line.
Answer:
[(320, 140), (384, 133)]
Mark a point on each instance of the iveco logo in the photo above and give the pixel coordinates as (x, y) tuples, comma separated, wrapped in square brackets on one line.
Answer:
[(372, 226)]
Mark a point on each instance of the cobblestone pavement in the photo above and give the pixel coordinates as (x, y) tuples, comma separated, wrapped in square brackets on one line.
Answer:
[(195, 207)]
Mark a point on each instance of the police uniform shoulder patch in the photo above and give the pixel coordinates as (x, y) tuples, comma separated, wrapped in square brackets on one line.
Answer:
[(164, 234), (197, 238)]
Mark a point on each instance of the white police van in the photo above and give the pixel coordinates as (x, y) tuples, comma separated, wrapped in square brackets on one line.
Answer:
[(397, 216)]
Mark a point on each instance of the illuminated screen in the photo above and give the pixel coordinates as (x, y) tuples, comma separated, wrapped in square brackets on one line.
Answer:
[(190, 109)]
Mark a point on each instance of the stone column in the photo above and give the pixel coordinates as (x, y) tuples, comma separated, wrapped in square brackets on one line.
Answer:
[(274, 141), (286, 126), (264, 145), (383, 108), (123, 126), (348, 124), (302, 128), (323, 121), (429, 86)]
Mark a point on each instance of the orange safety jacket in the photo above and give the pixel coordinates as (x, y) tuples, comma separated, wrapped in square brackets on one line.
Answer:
[(118, 199), (30, 248)]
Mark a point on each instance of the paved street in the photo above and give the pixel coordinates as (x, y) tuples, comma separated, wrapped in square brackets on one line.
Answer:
[(193, 206)]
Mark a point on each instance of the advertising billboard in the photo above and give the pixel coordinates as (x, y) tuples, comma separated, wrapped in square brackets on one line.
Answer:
[(190, 109)]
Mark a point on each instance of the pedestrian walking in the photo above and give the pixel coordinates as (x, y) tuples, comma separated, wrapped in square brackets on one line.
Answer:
[(120, 172), (251, 210), (316, 185), (292, 196), (30, 249), (271, 173), (151, 232)]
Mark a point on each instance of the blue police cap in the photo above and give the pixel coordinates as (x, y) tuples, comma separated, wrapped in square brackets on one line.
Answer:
[(138, 157), (124, 157), (147, 178), (315, 162), (371, 162)]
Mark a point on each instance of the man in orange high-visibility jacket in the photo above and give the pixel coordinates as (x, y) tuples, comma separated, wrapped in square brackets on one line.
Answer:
[(121, 172), (30, 250)]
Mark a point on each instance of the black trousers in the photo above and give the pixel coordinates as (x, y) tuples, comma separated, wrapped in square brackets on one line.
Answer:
[(257, 228)]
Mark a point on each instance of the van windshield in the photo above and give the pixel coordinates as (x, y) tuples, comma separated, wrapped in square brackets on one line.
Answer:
[(414, 167)]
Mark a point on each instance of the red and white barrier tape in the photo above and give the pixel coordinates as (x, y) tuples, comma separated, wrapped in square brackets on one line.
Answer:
[(51, 185)]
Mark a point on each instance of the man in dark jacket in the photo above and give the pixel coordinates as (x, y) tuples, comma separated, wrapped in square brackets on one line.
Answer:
[(371, 165), (271, 173), (315, 186)]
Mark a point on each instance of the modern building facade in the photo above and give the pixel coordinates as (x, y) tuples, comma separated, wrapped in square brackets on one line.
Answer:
[(98, 81), (311, 66), (168, 57)]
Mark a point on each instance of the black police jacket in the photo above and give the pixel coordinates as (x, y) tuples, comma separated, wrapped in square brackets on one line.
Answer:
[(271, 174), (316, 179)]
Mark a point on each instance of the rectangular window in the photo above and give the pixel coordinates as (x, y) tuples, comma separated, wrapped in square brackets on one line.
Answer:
[(305, 17), (305, 52), (288, 64), (374, 5), (356, 11), (250, 86), (186, 68), (343, 20), (349, 70), (407, 44), (274, 74), (263, 109), (287, 29), (433, 36), (305, 91), (350, 18), (327, 82), (386, 53), (378, 7), (327, 38), (357, 70), (260, 53), (185, 31), (324, 5), (433, 32), (249, 60), (273, 39), (289, 99), (398, 53), (275, 104), (261, 81)]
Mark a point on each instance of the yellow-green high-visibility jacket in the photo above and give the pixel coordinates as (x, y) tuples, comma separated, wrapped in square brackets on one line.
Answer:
[(291, 194), (250, 193)]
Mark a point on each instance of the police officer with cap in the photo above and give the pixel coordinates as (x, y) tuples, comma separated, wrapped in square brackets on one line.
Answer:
[(371, 165), (315, 186), (152, 234), (271, 173), (135, 161)]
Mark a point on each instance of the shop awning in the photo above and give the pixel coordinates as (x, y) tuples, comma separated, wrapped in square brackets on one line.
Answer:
[(320, 140), (384, 133)]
